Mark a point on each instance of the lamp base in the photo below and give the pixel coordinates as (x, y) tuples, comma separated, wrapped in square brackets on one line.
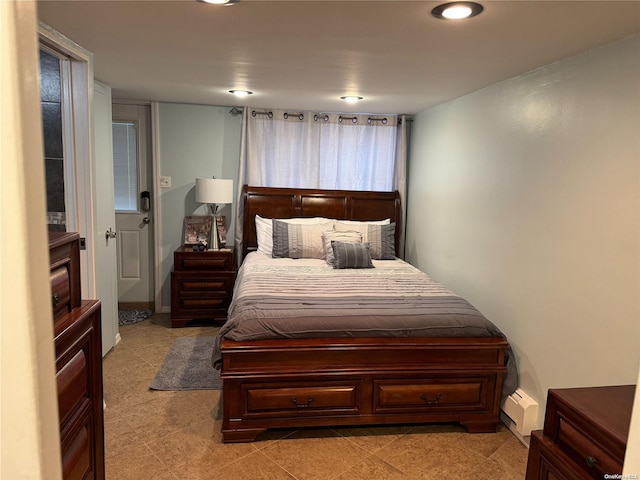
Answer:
[(215, 239)]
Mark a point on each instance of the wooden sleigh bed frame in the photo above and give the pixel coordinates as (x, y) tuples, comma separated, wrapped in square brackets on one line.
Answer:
[(291, 383)]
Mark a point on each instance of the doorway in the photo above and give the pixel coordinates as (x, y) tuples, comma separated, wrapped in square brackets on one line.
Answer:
[(76, 174), (134, 205)]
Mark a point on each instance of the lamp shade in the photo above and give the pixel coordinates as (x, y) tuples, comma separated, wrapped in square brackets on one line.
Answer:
[(214, 190)]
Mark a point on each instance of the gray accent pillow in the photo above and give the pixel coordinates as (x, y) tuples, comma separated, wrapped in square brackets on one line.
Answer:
[(351, 255), (382, 239)]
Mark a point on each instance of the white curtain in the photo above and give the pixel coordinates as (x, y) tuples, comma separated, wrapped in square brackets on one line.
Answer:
[(242, 180), (400, 177), (327, 151), (293, 149)]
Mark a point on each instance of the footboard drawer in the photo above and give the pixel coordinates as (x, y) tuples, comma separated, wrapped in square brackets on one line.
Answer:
[(438, 393), (301, 399)]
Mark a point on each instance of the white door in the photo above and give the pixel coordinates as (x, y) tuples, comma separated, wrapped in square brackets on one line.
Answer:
[(104, 215), (133, 204)]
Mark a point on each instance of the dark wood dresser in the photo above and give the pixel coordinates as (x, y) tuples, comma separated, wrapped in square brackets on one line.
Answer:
[(584, 436), (201, 285), (78, 347)]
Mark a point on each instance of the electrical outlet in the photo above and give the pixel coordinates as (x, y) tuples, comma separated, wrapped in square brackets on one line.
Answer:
[(165, 182)]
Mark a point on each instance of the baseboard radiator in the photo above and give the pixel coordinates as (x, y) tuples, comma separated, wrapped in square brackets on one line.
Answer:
[(519, 413)]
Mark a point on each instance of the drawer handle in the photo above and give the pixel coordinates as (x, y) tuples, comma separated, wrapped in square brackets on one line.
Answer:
[(55, 299), (294, 400), (591, 461), (431, 402)]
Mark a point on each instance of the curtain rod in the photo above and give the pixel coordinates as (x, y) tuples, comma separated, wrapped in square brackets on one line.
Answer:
[(320, 116)]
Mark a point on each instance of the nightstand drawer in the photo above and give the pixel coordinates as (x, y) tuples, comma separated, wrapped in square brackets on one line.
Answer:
[(593, 459), (186, 283), (217, 260), (202, 264), (201, 303)]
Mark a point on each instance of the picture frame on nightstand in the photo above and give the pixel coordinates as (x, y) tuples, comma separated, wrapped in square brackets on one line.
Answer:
[(197, 230), (222, 231)]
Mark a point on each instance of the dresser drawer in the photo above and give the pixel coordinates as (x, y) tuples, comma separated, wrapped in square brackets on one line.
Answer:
[(78, 462), (60, 291), (73, 386), (593, 459), (304, 400), (467, 394), (64, 265)]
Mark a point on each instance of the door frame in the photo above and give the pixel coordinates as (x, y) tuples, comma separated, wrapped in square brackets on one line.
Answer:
[(152, 188), (155, 198), (79, 147), (81, 155)]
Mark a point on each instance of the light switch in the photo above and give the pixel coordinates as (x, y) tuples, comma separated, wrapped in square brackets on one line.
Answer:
[(165, 182)]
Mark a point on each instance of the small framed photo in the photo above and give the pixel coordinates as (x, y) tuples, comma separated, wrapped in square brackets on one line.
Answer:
[(197, 230), (222, 231)]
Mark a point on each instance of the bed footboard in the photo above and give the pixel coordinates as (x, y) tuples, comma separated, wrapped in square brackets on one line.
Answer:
[(360, 381)]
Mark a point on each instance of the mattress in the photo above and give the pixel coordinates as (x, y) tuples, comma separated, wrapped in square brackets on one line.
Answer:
[(304, 298)]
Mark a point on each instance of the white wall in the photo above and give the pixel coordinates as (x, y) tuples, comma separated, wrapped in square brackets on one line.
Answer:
[(30, 434), (524, 197), (194, 141)]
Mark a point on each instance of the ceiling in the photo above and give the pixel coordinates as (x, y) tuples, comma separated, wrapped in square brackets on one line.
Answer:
[(306, 54)]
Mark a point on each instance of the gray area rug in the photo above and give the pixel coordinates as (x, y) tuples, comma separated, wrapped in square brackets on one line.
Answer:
[(129, 317), (187, 366)]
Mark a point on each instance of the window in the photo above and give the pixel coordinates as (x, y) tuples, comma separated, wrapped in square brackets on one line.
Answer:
[(326, 151), (125, 166)]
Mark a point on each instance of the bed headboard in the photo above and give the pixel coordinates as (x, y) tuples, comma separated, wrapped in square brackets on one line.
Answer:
[(300, 202)]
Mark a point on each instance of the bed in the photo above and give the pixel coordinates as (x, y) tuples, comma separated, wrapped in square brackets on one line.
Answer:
[(288, 361)]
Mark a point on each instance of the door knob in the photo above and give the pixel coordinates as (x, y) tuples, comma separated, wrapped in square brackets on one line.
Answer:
[(146, 220), (110, 234)]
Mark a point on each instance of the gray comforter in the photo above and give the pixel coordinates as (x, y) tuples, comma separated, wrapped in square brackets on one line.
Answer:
[(287, 298)]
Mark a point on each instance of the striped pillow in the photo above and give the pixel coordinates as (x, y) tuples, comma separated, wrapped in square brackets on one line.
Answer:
[(351, 255), (298, 240), (380, 237)]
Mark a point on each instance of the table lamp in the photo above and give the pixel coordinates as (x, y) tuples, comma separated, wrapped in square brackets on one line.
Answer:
[(214, 192)]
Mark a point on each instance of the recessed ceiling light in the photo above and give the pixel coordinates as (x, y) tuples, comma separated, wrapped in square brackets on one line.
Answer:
[(219, 2), (241, 93), (351, 98), (457, 10)]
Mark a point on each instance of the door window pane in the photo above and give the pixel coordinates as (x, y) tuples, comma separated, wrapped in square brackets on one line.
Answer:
[(125, 166)]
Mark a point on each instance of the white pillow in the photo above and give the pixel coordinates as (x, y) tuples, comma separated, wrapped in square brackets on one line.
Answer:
[(264, 229), (344, 236), (386, 221)]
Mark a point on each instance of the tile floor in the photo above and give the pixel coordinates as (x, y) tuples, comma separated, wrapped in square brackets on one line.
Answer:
[(176, 435)]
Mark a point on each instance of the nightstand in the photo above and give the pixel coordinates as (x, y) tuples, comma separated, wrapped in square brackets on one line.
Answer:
[(585, 434), (201, 285)]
